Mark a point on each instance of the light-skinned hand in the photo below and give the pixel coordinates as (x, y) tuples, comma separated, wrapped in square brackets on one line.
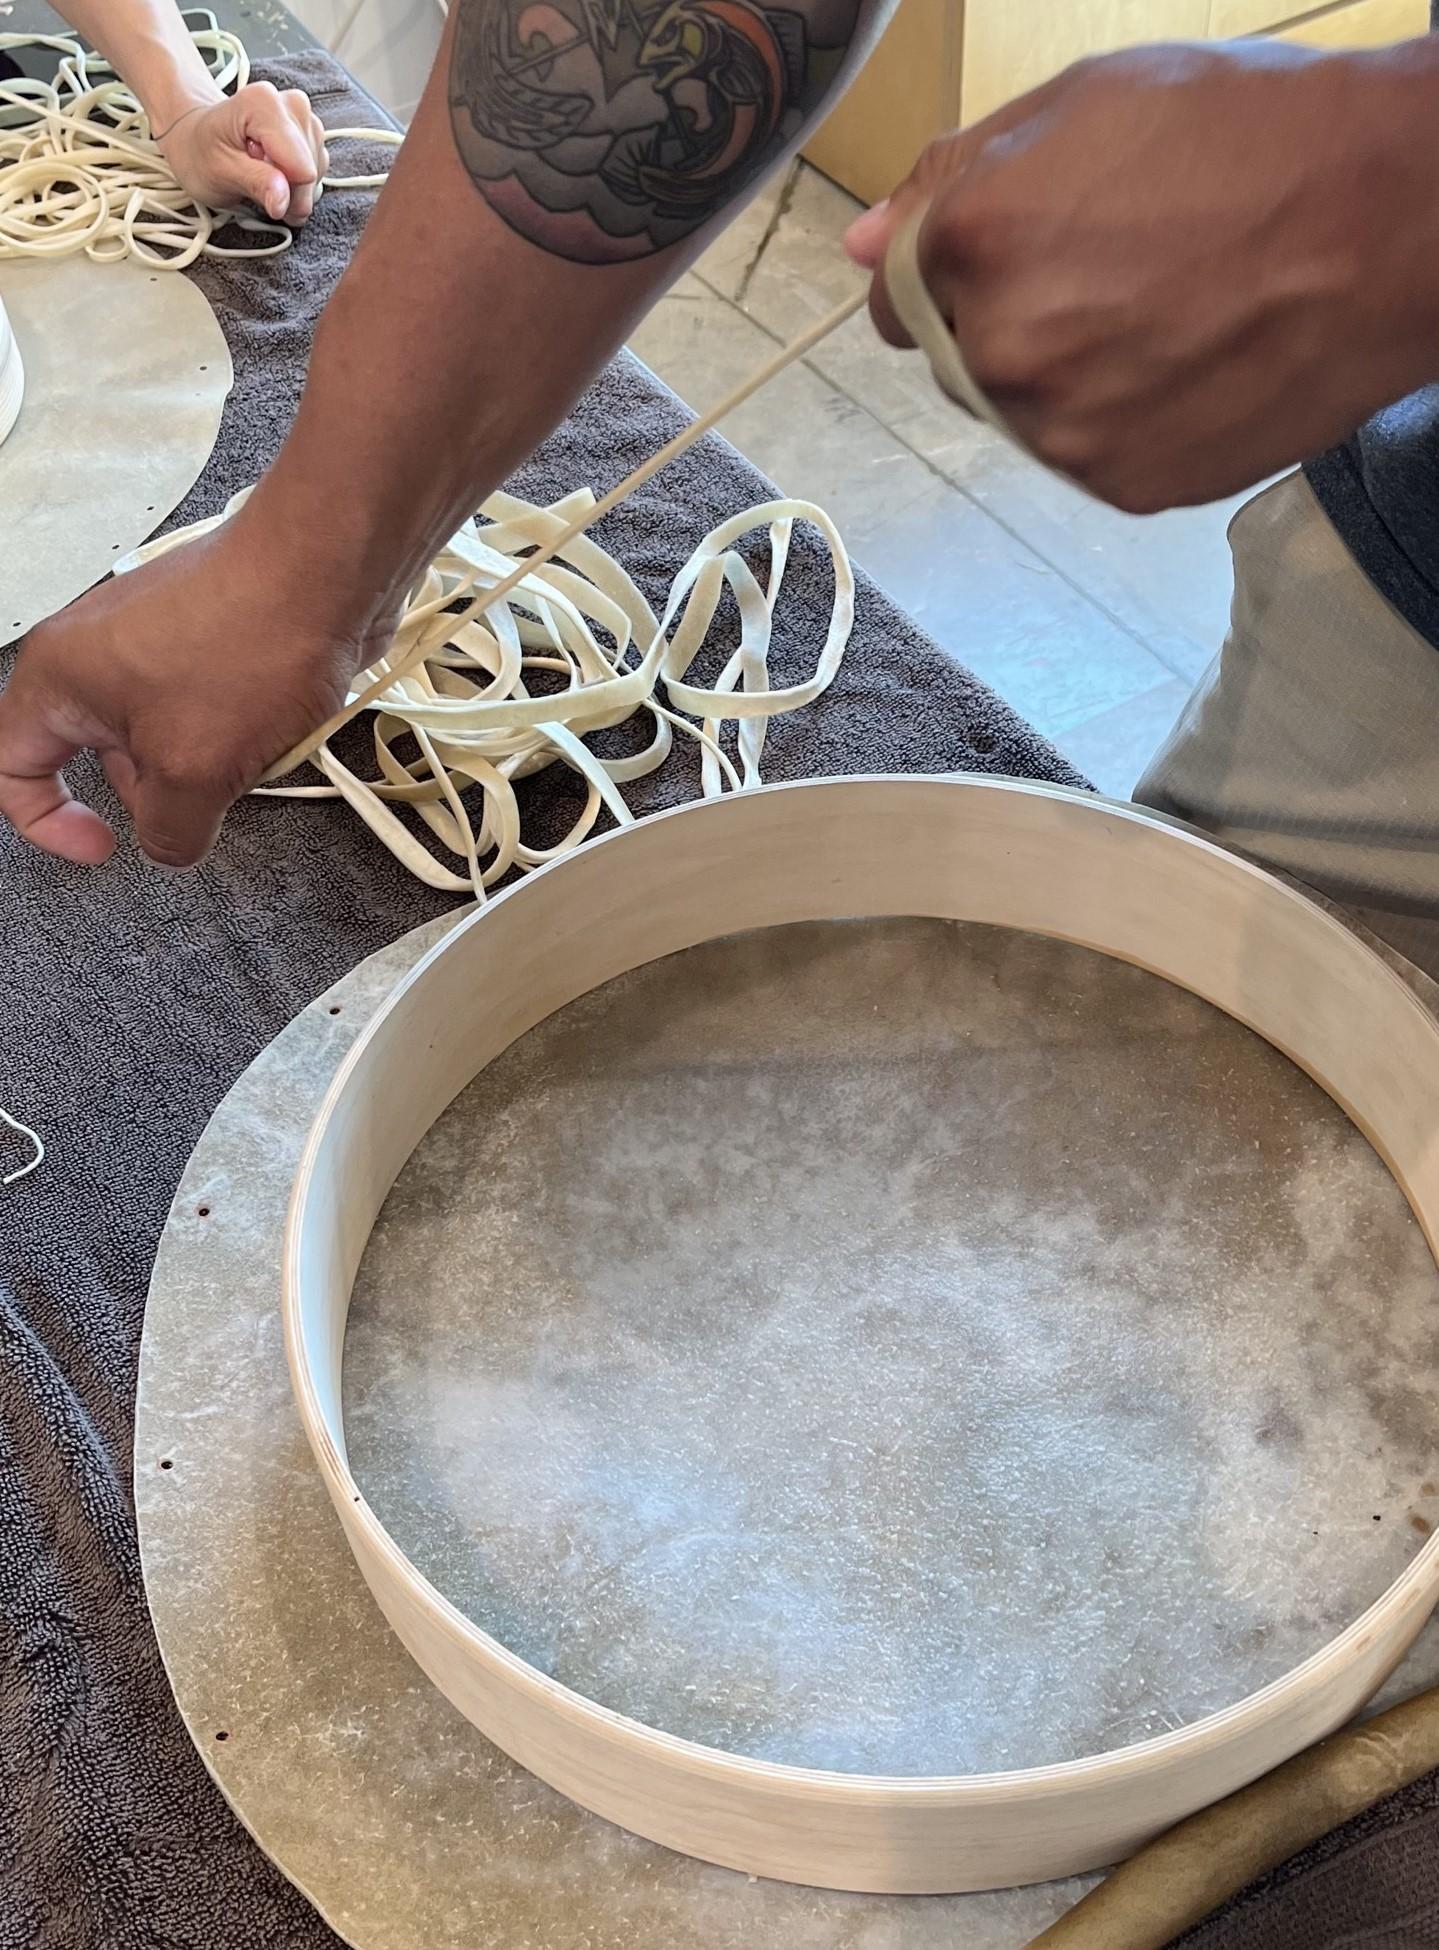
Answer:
[(257, 146)]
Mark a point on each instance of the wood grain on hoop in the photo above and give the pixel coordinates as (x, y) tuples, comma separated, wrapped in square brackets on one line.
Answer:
[(1025, 856)]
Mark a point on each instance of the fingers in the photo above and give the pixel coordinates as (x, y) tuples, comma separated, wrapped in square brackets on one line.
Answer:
[(867, 236), (177, 808), (265, 187), (939, 179), (881, 308), (33, 795)]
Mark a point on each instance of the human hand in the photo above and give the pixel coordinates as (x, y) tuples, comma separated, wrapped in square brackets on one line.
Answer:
[(1176, 270), (188, 676), (256, 145)]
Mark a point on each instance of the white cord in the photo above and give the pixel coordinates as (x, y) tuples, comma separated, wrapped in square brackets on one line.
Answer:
[(80, 171), (455, 679), (23, 1171)]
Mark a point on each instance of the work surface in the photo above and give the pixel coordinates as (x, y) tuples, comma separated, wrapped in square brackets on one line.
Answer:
[(748, 1453), (268, 29), (131, 1001)]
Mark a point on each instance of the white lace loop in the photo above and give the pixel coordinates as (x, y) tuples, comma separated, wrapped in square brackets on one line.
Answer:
[(32, 1164), (80, 170), (457, 680)]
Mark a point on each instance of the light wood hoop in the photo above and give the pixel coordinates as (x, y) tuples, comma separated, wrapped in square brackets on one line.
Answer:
[(1024, 856)]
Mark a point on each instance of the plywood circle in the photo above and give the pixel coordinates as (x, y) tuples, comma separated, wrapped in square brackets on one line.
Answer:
[(126, 374), (400, 1822), (841, 1784)]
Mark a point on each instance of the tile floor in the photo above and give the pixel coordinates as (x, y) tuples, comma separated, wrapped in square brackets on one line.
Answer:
[(1092, 624)]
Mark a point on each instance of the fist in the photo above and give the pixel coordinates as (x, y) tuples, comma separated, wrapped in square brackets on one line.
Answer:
[(257, 146), (188, 677), (1176, 270)]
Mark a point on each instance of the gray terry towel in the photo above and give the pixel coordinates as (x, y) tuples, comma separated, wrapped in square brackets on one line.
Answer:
[(1372, 1885), (131, 1000)]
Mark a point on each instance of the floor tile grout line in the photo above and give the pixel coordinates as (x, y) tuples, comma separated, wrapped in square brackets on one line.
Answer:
[(1015, 534), (784, 202)]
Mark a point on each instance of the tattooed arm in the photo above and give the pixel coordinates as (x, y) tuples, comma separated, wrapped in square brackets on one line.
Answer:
[(605, 130), (566, 163)]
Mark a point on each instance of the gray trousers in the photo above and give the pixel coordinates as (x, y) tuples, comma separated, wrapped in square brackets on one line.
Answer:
[(1312, 741)]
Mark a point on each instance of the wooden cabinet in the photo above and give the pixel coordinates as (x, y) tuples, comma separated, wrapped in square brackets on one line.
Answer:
[(1013, 45), (906, 94), (1229, 19), (945, 63), (1362, 23)]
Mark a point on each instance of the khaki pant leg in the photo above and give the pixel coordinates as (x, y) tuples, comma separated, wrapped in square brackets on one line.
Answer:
[(1312, 742)]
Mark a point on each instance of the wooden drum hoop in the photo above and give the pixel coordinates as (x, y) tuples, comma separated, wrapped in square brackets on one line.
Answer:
[(1033, 857)]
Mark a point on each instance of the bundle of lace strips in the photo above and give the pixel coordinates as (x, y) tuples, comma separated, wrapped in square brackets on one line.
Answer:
[(79, 170), (457, 722)]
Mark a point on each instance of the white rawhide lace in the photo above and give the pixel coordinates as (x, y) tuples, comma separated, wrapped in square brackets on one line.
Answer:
[(80, 171), (32, 1163), (457, 680)]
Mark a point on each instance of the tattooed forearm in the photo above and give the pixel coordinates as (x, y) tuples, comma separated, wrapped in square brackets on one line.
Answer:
[(606, 129)]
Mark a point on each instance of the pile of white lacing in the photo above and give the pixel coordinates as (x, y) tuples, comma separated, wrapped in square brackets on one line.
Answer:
[(79, 170), (455, 681)]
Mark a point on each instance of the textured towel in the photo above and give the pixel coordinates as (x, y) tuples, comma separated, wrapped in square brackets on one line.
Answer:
[(1373, 1885), (132, 999)]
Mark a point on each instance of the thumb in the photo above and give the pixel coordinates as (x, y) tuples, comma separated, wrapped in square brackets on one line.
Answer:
[(33, 795), (176, 820), (267, 188), (888, 219), (869, 237)]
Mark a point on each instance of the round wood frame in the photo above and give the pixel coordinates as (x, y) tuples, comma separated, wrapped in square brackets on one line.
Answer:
[(1034, 857)]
